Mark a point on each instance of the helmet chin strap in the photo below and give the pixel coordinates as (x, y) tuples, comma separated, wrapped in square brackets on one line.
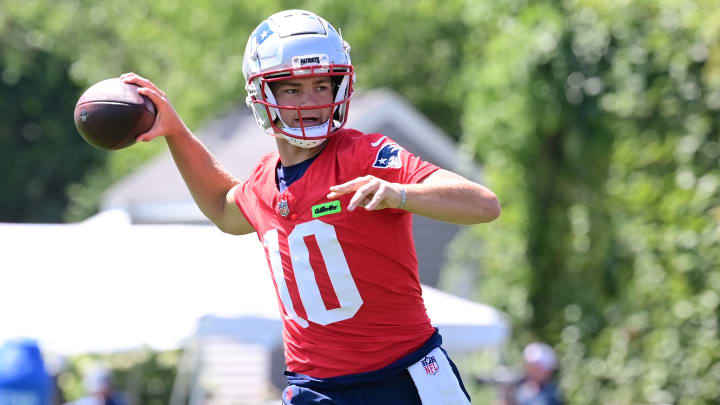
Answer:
[(310, 132)]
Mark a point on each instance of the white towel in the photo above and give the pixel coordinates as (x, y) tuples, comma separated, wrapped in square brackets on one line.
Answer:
[(435, 381)]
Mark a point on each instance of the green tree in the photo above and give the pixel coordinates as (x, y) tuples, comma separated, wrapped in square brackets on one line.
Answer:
[(598, 125), (39, 150), (142, 375)]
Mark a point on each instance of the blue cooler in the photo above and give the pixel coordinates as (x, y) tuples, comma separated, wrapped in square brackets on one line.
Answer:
[(23, 379)]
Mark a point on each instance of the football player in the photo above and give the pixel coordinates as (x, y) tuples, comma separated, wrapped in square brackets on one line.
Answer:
[(333, 208)]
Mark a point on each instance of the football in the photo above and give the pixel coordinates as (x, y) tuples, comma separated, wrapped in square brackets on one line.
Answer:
[(111, 114)]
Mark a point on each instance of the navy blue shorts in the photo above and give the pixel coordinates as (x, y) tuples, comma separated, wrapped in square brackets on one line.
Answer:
[(391, 385)]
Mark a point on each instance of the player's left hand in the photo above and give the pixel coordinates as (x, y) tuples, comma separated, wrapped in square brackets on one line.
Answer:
[(371, 193)]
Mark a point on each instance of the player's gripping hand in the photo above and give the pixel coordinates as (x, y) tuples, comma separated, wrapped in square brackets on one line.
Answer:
[(167, 121), (371, 193)]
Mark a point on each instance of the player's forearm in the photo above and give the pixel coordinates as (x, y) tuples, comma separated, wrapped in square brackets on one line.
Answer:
[(457, 203), (443, 195), (206, 179), (448, 197)]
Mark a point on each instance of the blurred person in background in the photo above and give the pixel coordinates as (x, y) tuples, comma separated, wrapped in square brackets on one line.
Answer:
[(537, 386), (101, 390), (23, 378)]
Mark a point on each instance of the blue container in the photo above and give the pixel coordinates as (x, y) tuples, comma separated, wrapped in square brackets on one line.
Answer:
[(23, 379)]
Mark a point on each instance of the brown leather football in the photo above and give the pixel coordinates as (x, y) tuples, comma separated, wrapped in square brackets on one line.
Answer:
[(111, 114)]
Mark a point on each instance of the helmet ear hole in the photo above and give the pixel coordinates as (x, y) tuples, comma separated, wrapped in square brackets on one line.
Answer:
[(336, 81), (272, 86)]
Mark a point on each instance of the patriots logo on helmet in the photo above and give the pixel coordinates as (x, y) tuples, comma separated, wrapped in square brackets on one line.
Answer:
[(388, 157), (263, 32)]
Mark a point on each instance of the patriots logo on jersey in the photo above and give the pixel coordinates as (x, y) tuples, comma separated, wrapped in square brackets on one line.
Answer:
[(430, 365), (388, 157)]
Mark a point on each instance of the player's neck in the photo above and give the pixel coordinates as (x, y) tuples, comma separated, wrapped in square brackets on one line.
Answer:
[(292, 155)]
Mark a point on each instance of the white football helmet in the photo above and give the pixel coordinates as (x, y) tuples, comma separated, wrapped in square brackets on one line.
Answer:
[(297, 43)]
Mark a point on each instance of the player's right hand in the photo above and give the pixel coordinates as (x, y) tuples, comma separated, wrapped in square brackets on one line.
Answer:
[(370, 192), (167, 121)]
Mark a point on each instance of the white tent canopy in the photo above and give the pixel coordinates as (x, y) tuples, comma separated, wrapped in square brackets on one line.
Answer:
[(107, 285)]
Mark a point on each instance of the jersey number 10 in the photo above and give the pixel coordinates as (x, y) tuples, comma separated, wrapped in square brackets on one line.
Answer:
[(337, 268)]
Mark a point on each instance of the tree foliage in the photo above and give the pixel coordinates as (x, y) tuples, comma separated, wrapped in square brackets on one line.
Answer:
[(598, 123), (142, 375), (39, 152)]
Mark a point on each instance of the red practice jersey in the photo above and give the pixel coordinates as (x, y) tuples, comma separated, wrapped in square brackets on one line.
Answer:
[(347, 282)]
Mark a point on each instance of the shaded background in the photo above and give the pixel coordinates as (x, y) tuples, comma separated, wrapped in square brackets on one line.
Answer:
[(596, 123)]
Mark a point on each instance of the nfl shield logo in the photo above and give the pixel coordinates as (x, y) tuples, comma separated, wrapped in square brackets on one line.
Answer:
[(283, 208), (431, 366)]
